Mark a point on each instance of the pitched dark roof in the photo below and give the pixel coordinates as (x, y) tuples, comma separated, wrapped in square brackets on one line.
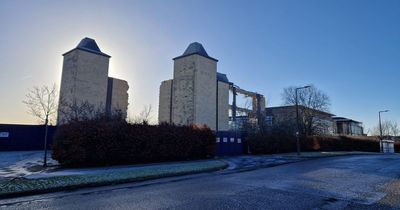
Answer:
[(89, 45), (343, 119), (268, 109), (222, 78), (195, 48)]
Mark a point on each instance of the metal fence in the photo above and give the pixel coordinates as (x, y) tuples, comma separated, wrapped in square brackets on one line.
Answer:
[(24, 137), (229, 143)]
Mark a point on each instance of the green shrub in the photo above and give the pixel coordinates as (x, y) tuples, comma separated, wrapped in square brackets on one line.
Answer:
[(103, 143)]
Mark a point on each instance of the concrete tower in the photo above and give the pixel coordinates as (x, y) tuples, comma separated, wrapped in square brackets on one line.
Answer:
[(191, 97), (194, 87), (198, 94), (85, 80)]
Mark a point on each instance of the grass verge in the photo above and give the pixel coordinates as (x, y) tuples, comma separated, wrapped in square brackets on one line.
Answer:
[(20, 187)]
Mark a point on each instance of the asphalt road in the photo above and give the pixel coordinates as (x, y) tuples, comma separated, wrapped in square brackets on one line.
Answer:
[(346, 182)]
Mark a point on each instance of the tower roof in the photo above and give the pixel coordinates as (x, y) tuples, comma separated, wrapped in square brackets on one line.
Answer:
[(89, 45), (222, 78), (195, 48)]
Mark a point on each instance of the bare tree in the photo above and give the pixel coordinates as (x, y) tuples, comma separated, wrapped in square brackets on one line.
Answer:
[(144, 116), (394, 129), (312, 102), (75, 111), (389, 128), (42, 103)]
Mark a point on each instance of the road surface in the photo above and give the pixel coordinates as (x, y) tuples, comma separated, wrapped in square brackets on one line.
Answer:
[(346, 182)]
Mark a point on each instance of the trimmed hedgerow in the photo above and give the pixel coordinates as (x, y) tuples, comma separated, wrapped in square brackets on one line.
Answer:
[(342, 143), (269, 144), (103, 143)]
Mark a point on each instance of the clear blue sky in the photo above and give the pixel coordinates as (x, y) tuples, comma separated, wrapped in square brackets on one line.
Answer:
[(350, 49)]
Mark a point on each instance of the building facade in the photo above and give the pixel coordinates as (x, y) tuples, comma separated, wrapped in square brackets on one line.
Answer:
[(85, 81), (328, 123), (322, 122), (345, 126), (200, 95), (195, 95)]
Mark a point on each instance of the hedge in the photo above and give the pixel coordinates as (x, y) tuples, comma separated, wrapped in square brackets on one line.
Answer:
[(270, 144), (105, 143)]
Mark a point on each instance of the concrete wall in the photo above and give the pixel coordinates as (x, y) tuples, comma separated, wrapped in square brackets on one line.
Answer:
[(205, 95), (164, 105), (194, 91), (119, 96), (183, 91), (223, 106), (84, 79)]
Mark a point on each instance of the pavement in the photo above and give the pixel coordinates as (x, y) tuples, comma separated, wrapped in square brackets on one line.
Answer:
[(249, 162), (341, 182), (23, 163), (69, 179)]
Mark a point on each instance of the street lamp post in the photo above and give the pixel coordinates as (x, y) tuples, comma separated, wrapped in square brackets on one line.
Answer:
[(297, 120), (380, 129)]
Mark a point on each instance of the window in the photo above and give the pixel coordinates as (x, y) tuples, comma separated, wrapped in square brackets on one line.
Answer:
[(269, 120), (4, 134)]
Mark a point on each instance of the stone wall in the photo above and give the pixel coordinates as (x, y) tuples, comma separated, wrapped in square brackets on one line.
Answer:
[(183, 91), (164, 105), (223, 106), (84, 79), (119, 97), (205, 94), (194, 91)]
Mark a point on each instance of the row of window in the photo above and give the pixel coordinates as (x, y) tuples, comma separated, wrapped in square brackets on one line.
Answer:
[(225, 140)]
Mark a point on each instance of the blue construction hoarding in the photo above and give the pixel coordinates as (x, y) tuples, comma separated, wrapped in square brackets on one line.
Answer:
[(24, 137), (229, 143)]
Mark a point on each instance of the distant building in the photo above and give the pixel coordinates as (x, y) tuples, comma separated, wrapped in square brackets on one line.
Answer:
[(287, 115), (345, 126), (85, 81), (329, 124)]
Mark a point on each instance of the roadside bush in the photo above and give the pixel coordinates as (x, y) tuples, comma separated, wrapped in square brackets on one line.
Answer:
[(270, 143), (342, 143), (104, 143)]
